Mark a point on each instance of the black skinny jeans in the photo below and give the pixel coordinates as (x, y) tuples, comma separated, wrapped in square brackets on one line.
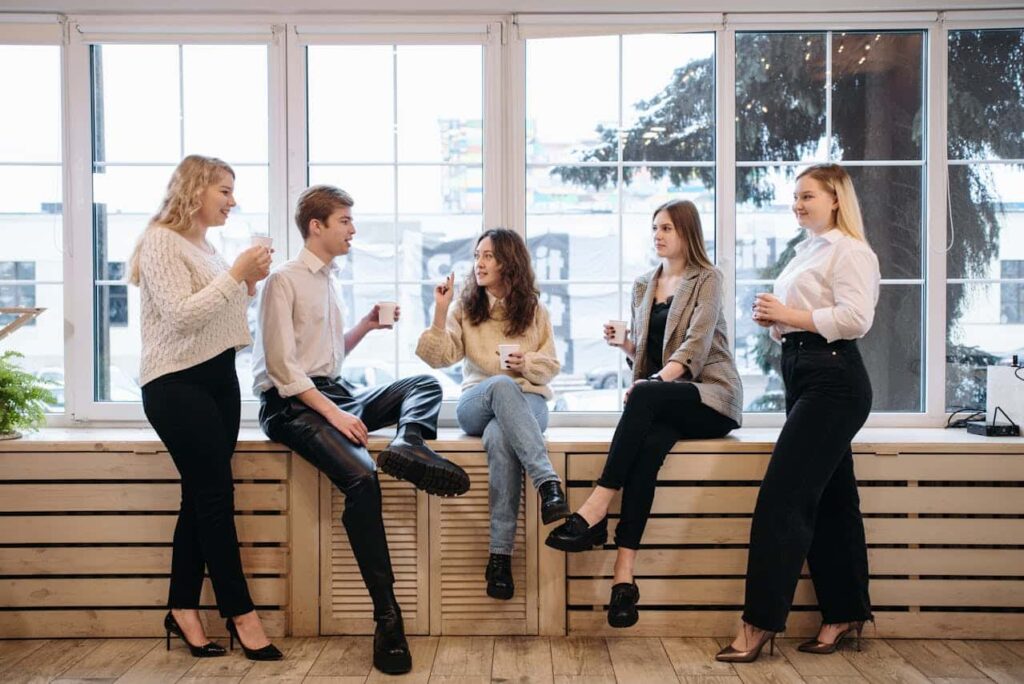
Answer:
[(195, 412), (415, 400), (808, 506), (657, 414)]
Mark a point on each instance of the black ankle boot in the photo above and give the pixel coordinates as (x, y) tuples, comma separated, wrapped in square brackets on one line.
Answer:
[(575, 535), (622, 606), (390, 649), (499, 577), (417, 463), (553, 505)]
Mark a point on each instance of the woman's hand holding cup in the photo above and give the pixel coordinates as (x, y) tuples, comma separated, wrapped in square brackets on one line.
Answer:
[(252, 266)]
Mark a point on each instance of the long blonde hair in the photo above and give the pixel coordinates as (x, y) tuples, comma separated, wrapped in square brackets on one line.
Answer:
[(847, 214), (182, 201)]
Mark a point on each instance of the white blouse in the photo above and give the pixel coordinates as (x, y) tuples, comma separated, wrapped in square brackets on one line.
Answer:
[(836, 278)]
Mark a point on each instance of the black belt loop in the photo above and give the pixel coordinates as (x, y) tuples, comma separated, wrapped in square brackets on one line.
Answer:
[(807, 340)]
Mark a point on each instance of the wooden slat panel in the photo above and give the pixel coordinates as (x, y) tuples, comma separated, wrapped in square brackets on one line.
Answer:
[(125, 529), (992, 562), (345, 605), (460, 550), (979, 531), (751, 467), (122, 560), (245, 465), (951, 500), (140, 622), (128, 591), (127, 497)]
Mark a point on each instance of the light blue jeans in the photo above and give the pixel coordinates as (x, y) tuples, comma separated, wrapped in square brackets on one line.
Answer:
[(512, 423)]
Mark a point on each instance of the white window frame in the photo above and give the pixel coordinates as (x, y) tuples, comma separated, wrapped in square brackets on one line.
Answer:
[(83, 33)]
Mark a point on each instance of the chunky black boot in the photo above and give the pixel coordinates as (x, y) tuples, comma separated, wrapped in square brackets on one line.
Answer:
[(576, 535), (390, 649), (553, 505), (499, 577), (417, 463), (622, 606)]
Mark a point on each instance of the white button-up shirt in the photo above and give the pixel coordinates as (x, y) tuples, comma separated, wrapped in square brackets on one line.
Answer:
[(836, 278), (301, 334)]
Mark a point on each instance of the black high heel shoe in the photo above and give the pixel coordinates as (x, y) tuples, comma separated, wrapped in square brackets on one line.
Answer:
[(576, 535), (208, 650), (390, 649), (822, 648), (268, 652)]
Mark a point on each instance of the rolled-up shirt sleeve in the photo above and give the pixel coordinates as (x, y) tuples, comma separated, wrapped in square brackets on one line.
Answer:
[(275, 322), (855, 283)]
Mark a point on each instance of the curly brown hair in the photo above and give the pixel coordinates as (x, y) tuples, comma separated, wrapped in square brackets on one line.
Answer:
[(517, 272)]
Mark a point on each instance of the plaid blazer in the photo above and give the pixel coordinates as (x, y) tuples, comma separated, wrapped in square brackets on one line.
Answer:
[(695, 336)]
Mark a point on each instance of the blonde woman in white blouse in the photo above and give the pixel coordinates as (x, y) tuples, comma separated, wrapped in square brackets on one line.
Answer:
[(808, 507), (193, 322)]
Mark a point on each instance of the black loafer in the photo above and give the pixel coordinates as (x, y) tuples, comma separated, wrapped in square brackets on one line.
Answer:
[(553, 505), (575, 535), (424, 468), (499, 577), (622, 606), (390, 649)]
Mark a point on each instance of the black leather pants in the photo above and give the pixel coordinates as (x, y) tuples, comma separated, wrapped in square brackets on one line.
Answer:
[(415, 400)]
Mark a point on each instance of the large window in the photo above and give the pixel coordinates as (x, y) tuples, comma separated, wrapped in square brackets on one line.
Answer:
[(601, 154), (850, 97), (152, 106), (985, 238), (31, 191), (403, 133)]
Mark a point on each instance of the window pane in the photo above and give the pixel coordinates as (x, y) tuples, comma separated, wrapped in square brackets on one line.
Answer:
[(373, 361), (351, 112), (766, 230), (372, 187), (440, 119), (31, 222), (891, 201), (137, 110), (780, 96), (232, 80), (42, 341), (877, 95), (30, 75), (977, 338), (668, 97), (417, 302), (986, 222), (893, 349), (572, 99), (986, 109)]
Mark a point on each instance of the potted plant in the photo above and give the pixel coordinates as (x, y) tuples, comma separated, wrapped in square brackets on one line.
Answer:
[(22, 398)]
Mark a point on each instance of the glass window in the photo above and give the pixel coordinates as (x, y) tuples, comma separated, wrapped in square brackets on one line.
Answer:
[(865, 113), (31, 202), (410, 152), (152, 106), (601, 155)]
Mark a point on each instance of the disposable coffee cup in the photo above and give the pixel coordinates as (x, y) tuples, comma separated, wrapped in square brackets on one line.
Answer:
[(386, 312), (618, 331), (503, 351), (262, 241)]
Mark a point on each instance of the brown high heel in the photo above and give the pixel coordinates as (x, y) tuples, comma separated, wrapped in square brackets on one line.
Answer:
[(731, 655), (821, 648)]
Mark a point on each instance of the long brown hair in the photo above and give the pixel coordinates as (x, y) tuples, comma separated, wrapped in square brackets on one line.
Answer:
[(686, 220), (517, 273)]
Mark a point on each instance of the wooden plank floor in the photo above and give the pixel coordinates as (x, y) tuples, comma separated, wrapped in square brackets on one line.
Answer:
[(556, 660)]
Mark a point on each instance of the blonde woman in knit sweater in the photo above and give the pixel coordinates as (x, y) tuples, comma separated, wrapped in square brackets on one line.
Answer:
[(193, 322), (500, 304)]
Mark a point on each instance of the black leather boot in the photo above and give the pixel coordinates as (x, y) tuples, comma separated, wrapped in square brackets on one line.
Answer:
[(576, 535), (553, 505), (499, 577), (622, 606), (423, 467), (390, 649)]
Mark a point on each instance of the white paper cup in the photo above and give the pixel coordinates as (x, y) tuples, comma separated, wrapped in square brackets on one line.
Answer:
[(503, 351), (386, 312), (262, 241), (619, 334)]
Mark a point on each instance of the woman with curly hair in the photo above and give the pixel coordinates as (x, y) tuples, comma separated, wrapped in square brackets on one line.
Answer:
[(506, 402)]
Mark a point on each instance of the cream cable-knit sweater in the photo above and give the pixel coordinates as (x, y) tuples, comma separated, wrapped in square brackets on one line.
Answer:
[(478, 346), (192, 309)]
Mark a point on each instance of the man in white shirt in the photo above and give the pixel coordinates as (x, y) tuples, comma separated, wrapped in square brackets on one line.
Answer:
[(305, 405)]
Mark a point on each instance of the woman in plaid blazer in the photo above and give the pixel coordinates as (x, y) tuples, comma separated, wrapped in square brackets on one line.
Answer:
[(685, 386)]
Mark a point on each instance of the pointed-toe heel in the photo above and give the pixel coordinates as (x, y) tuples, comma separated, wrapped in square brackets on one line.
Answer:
[(821, 648), (268, 652), (732, 655), (209, 650), (575, 535)]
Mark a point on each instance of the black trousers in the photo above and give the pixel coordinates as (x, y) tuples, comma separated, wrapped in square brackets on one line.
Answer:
[(415, 400), (657, 414), (195, 412), (808, 506)]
